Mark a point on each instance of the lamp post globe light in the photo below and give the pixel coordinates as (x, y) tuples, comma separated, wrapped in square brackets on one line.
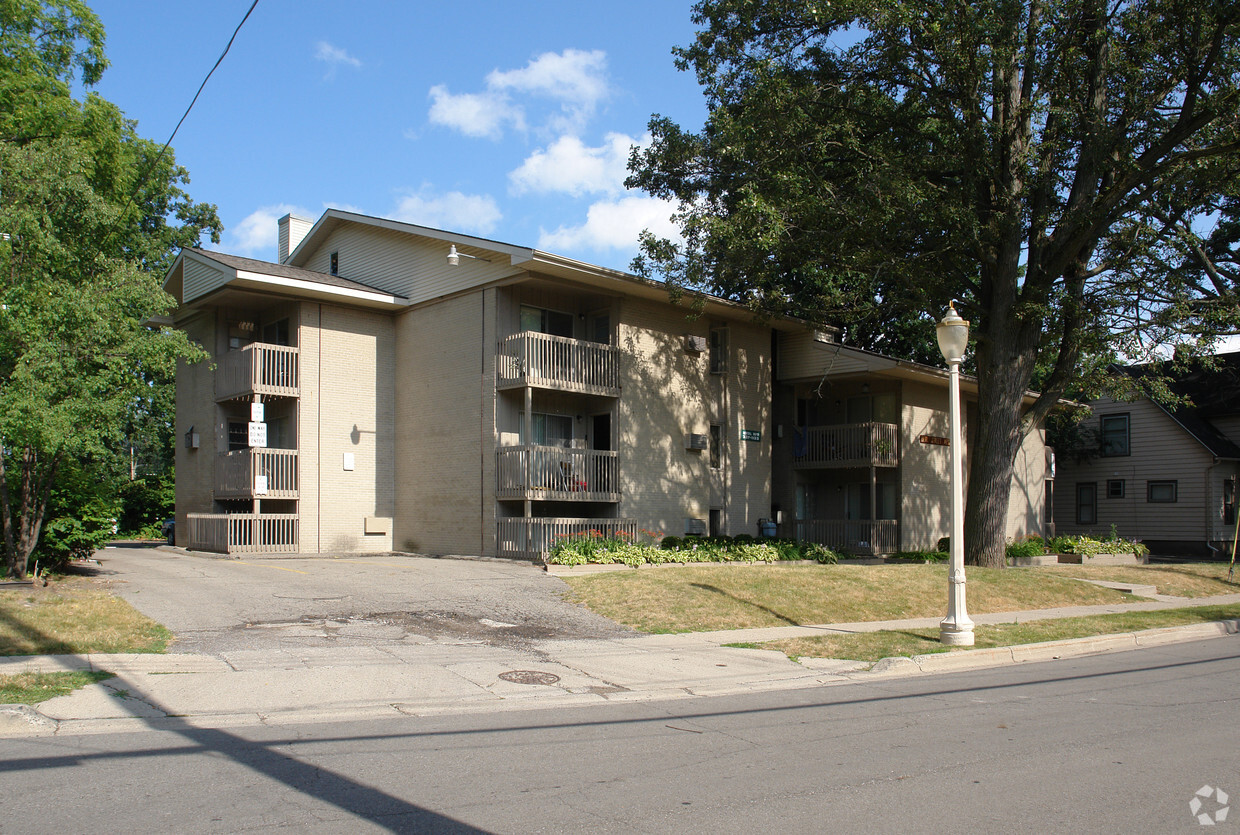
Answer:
[(956, 629)]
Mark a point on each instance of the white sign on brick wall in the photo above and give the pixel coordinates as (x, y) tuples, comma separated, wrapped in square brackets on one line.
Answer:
[(260, 485), (256, 412)]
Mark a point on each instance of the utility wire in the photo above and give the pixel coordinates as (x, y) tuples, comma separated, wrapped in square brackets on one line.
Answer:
[(163, 150)]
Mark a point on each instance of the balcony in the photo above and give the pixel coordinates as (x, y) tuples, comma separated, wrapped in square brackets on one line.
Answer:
[(552, 473), (544, 361), (846, 445), (258, 368), (531, 538), (855, 536), (243, 533), (256, 473)]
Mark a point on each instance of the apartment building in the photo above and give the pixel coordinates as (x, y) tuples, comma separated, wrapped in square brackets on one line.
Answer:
[(385, 386)]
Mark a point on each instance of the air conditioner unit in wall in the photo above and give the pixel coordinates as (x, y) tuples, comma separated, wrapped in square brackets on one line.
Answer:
[(693, 441), (695, 344), (695, 527)]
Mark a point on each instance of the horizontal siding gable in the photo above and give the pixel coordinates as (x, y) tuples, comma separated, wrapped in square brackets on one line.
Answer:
[(402, 264), (201, 278), (801, 357)]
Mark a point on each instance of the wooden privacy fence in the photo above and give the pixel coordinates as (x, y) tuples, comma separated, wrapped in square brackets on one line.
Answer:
[(847, 445), (544, 473), (532, 538), (258, 368), (243, 533), (546, 361)]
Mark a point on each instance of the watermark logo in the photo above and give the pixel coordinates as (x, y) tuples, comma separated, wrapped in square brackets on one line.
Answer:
[(1199, 804)]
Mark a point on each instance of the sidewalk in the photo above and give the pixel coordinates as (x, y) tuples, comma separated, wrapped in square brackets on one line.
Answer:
[(308, 684)]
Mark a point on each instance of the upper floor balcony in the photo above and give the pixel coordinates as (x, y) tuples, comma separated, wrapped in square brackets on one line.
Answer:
[(846, 445), (256, 473), (540, 360), (554, 473), (258, 368)]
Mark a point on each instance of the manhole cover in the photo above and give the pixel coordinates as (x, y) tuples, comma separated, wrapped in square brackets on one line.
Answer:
[(529, 677)]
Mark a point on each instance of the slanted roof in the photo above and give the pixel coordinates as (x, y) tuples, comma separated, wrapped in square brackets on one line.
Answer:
[(253, 265), (1212, 392)]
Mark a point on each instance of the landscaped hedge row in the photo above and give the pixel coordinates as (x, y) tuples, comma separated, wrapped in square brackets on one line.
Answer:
[(655, 549)]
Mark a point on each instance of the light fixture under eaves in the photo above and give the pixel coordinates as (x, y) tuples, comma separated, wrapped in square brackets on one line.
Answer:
[(454, 257)]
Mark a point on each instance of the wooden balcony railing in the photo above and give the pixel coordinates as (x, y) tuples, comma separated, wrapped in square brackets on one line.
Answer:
[(846, 445), (547, 473), (557, 362), (243, 533), (258, 368), (856, 536), (253, 473), (531, 539)]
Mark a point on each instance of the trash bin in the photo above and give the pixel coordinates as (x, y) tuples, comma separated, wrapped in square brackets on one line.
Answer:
[(766, 527)]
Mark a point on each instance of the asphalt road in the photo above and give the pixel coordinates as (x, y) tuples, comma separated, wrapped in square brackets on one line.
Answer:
[(215, 606), (1110, 743)]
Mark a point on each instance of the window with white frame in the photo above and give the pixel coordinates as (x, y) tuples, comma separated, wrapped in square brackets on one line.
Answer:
[(1114, 434)]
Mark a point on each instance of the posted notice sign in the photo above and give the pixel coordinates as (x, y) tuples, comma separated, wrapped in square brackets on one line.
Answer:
[(258, 434)]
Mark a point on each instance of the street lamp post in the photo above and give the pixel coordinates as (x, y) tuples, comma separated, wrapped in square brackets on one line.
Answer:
[(956, 629)]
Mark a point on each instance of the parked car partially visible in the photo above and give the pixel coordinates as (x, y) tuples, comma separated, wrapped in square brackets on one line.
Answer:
[(169, 530)]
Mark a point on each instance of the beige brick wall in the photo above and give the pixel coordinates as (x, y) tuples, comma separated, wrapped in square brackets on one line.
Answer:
[(925, 480), (667, 393), (445, 427), (347, 363), (195, 402)]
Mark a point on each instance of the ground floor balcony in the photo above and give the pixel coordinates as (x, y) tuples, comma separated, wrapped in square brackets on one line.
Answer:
[(846, 445), (531, 538), (243, 533), (256, 473), (854, 536), (554, 473)]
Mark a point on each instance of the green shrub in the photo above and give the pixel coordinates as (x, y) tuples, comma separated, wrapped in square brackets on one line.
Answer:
[(1086, 546), (670, 543), (819, 553), (1030, 546), (944, 544), (743, 537)]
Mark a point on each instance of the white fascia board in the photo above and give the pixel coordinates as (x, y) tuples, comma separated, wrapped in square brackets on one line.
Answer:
[(311, 287)]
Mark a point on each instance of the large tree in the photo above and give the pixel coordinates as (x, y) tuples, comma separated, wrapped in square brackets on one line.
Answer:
[(1058, 167), (90, 214)]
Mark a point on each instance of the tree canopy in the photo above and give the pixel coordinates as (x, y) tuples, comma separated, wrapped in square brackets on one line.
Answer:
[(1067, 170), (90, 215)]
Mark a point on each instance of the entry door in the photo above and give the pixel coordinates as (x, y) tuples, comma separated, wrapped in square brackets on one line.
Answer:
[(600, 433)]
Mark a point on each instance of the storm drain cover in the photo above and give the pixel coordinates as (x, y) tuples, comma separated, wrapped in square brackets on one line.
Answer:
[(529, 677)]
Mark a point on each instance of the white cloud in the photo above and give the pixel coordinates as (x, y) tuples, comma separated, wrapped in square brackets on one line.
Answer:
[(567, 165), (477, 213), (574, 78), (474, 114), (614, 224), (334, 56), (257, 233)]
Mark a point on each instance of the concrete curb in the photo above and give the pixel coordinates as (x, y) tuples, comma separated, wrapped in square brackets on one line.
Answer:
[(942, 662)]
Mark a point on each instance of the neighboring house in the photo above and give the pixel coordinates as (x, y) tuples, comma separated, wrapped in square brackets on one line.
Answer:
[(1164, 476), (428, 391)]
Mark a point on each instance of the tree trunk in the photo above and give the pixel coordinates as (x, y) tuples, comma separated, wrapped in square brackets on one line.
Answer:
[(1003, 371)]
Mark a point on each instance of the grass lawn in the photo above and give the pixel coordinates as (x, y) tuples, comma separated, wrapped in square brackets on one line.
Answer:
[(33, 688), (697, 598), (73, 616), (873, 646)]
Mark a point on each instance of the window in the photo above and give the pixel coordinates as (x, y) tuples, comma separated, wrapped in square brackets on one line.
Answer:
[(335, 263), (540, 320), (716, 446), (276, 333), (718, 350), (1114, 431), (1161, 492), (1115, 488), (238, 436), (550, 430), (1087, 503), (1229, 501)]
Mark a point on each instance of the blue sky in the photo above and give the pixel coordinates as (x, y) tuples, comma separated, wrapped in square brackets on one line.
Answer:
[(508, 120)]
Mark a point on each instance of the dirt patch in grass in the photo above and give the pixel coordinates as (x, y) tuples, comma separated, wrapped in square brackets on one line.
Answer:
[(873, 646), (34, 688), (698, 598), (73, 616)]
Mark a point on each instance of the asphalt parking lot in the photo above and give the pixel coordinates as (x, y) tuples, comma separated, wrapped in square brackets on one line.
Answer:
[(224, 605)]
